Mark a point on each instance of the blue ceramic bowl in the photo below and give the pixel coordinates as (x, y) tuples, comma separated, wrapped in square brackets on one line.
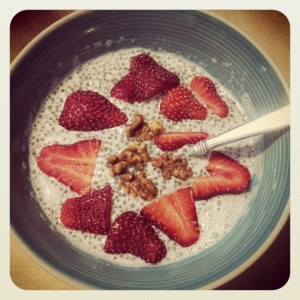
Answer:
[(193, 34)]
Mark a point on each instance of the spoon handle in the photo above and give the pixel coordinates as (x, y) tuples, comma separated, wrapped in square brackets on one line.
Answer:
[(275, 120)]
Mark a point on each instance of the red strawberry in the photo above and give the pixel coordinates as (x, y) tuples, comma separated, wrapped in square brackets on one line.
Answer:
[(227, 176), (88, 111), (171, 141), (72, 165), (180, 104), (175, 215), (89, 213), (204, 89), (146, 78), (131, 233), (125, 88)]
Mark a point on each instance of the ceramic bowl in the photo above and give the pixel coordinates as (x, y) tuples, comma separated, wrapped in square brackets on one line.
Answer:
[(220, 49)]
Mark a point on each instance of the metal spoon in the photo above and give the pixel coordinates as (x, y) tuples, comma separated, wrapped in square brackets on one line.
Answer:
[(276, 120)]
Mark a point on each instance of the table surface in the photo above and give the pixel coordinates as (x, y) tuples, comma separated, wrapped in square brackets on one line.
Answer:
[(270, 30)]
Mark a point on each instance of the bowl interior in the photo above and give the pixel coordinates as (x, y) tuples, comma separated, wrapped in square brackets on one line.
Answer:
[(225, 54)]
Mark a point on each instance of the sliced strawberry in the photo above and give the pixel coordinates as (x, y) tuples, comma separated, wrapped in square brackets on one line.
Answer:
[(89, 213), (89, 111), (125, 88), (204, 89), (73, 165), (171, 141), (131, 233), (146, 78), (175, 215), (180, 104), (227, 176)]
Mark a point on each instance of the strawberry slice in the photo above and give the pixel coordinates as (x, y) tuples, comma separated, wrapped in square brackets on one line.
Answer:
[(146, 78), (89, 213), (131, 233), (175, 215), (73, 165), (171, 141), (227, 176), (125, 89), (204, 89), (180, 104), (89, 111)]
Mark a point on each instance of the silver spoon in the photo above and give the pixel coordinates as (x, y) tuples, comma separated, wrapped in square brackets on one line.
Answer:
[(276, 120)]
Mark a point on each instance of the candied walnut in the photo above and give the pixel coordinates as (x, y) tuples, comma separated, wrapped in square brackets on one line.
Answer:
[(172, 166), (138, 185), (141, 130), (136, 154)]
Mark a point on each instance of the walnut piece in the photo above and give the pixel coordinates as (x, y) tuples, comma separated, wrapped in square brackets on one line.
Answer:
[(141, 130), (138, 185), (172, 166), (136, 154)]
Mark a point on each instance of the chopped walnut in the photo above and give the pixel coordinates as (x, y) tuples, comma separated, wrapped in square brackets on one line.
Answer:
[(138, 185), (136, 125), (172, 166), (141, 130), (156, 127), (140, 149), (118, 168), (135, 155)]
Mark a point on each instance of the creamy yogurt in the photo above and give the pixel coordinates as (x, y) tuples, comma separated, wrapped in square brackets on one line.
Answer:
[(216, 216)]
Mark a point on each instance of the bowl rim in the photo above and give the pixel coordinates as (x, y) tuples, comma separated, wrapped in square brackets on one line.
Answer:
[(78, 284)]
